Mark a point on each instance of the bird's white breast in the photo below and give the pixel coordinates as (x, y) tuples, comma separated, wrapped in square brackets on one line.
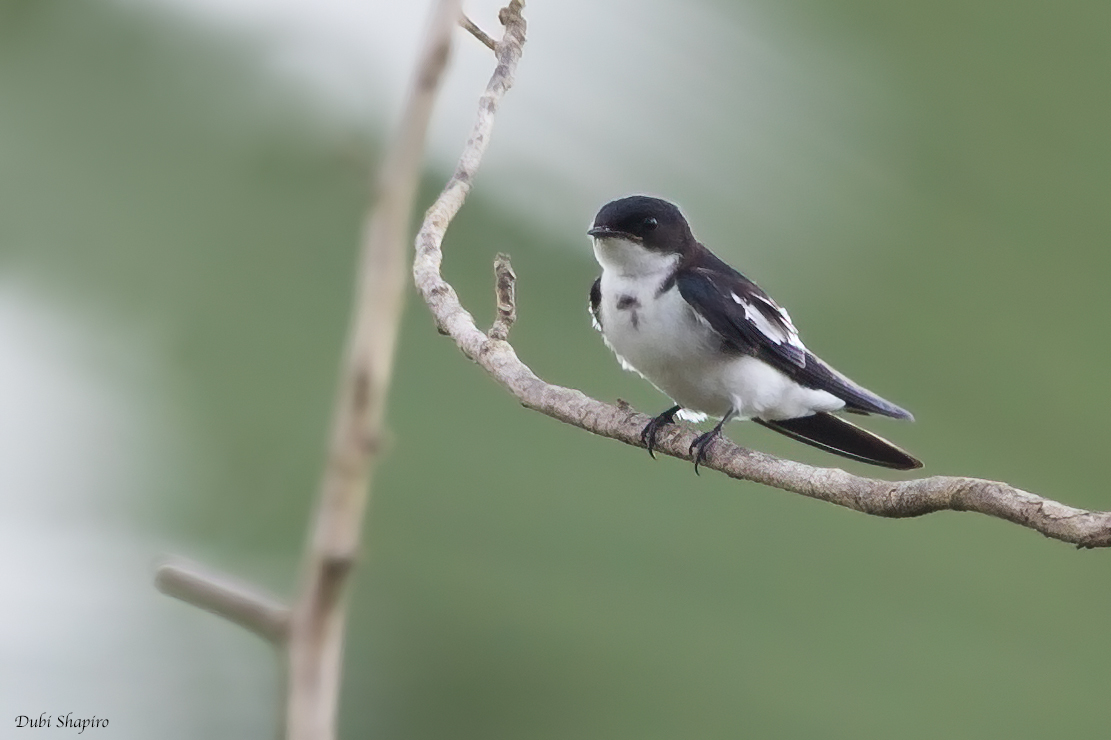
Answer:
[(657, 334)]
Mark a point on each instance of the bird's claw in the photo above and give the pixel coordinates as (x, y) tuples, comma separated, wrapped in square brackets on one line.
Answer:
[(700, 444), (652, 428)]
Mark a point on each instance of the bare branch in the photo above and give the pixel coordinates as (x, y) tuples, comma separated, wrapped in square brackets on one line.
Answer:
[(451, 318), (871, 496), (318, 619), (477, 32), (218, 594)]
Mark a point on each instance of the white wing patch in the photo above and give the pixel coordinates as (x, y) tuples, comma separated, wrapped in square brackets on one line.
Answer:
[(785, 334)]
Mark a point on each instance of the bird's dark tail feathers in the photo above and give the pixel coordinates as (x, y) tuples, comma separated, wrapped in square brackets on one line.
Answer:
[(834, 434)]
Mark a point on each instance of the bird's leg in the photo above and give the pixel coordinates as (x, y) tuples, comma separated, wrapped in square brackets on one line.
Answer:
[(702, 441), (648, 436)]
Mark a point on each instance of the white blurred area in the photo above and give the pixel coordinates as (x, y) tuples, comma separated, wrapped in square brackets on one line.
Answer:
[(83, 430), (612, 98)]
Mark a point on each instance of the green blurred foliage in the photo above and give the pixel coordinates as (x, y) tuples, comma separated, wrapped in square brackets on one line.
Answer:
[(523, 579)]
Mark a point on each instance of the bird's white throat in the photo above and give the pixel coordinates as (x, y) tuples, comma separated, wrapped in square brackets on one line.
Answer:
[(631, 259)]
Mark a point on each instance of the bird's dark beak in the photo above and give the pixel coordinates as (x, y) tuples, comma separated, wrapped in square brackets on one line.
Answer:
[(604, 232)]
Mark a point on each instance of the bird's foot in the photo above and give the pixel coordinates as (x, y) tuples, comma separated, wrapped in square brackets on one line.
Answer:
[(652, 428), (701, 443)]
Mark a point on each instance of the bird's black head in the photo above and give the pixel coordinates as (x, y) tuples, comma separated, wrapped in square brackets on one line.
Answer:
[(655, 223)]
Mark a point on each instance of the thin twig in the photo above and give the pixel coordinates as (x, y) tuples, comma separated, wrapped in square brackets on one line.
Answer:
[(871, 496), (235, 602), (477, 32), (453, 319)]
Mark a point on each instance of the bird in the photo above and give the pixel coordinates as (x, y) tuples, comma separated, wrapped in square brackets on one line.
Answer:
[(715, 343)]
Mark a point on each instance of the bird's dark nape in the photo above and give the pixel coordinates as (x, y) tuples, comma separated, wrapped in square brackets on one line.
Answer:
[(834, 434)]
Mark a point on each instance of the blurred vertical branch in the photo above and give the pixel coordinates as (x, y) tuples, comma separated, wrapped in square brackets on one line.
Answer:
[(317, 621), (311, 631)]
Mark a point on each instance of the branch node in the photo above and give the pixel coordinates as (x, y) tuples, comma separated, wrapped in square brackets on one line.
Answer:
[(505, 295), (511, 13)]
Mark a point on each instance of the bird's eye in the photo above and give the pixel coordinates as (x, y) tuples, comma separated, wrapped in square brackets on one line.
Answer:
[(651, 223)]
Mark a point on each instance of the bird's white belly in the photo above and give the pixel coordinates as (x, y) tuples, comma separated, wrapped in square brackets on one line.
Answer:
[(666, 342)]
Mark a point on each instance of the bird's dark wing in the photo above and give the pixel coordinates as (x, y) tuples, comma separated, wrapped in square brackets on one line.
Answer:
[(750, 322), (746, 317), (596, 303)]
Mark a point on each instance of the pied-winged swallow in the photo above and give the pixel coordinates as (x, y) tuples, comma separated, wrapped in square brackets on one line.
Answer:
[(715, 343)]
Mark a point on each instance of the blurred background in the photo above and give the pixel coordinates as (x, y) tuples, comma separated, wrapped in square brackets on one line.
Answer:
[(925, 186)]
